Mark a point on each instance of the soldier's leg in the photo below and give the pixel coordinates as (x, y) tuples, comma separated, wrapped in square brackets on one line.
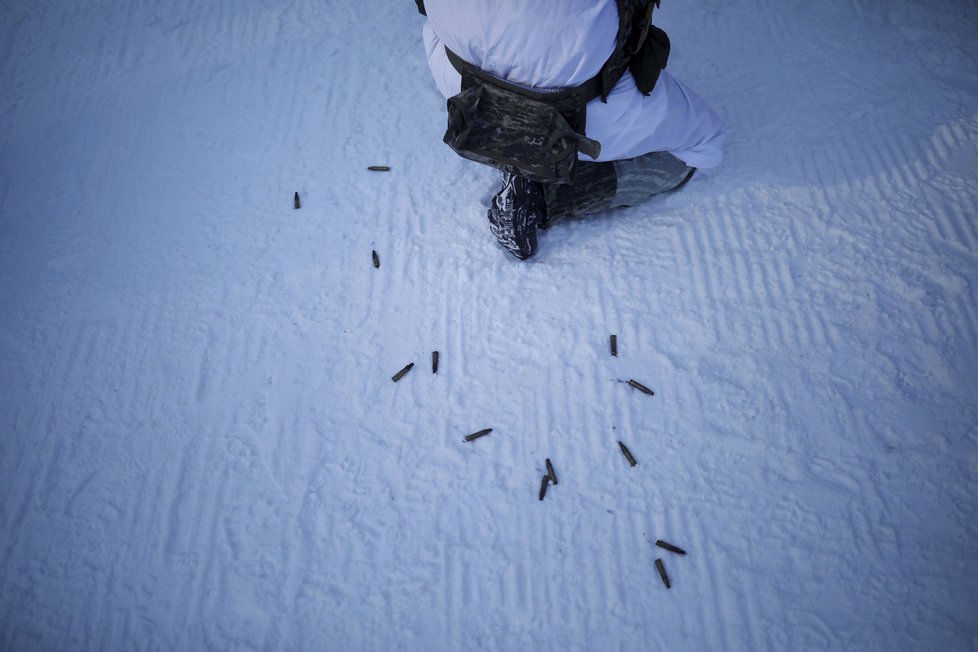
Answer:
[(593, 190), (600, 186)]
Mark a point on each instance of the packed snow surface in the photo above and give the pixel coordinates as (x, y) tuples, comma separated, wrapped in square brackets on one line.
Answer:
[(201, 447)]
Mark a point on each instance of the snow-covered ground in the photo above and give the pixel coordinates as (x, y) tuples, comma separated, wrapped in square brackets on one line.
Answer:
[(200, 443)]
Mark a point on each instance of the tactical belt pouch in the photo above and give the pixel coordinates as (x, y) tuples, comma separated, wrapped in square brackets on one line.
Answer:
[(536, 135)]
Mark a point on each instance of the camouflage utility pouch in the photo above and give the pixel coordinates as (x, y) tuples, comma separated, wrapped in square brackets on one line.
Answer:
[(535, 135)]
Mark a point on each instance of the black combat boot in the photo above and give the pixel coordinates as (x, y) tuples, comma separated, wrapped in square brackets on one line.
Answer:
[(515, 213)]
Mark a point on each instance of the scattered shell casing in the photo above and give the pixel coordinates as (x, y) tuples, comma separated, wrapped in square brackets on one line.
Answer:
[(379, 168), (628, 454), (295, 200), (668, 546), (614, 345), (543, 486), (640, 387), (662, 573), (476, 435), (550, 472), (434, 362), (376, 259), (400, 374)]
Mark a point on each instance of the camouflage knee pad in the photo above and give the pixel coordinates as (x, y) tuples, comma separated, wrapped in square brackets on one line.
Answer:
[(644, 176)]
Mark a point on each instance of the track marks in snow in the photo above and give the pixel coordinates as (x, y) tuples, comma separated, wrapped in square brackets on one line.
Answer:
[(952, 219)]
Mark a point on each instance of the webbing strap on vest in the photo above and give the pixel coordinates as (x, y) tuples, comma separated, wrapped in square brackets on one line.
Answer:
[(643, 27), (634, 22)]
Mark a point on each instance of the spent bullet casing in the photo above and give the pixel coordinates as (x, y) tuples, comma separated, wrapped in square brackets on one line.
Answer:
[(376, 259), (662, 573), (378, 168), (295, 200), (543, 486), (668, 546), (614, 345), (476, 435), (550, 472), (627, 453), (640, 387), (400, 374)]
